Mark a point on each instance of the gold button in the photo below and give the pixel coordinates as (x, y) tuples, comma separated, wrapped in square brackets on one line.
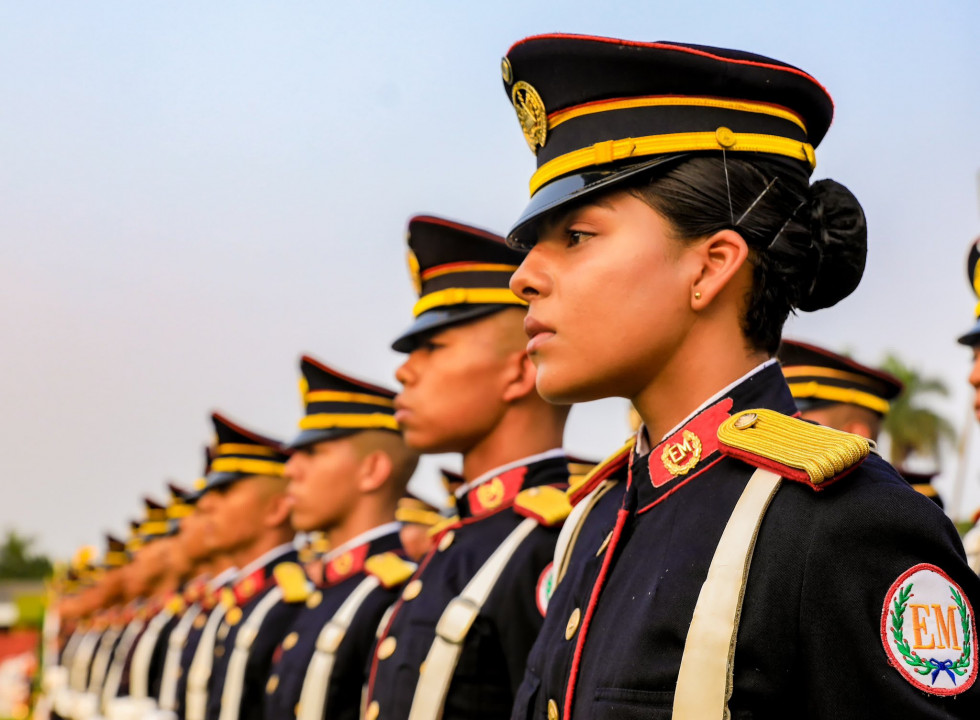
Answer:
[(219, 651), (222, 632), (234, 616), (180, 672), (447, 540), (289, 642), (412, 590), (572, 625), (315, 599), (725, 137), (296, 710), (422, 669), (387, 648), (270, 687), (745, 421), (506, 71), (373, 710), (605, 544), (552, 710)]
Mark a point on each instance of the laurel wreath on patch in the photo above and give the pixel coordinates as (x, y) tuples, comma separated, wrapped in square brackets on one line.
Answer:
[(918, 664)]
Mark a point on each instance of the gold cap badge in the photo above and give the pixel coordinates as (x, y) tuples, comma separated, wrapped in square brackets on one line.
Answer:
[(531, 114)]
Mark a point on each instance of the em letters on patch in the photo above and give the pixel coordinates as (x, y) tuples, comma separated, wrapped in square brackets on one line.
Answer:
[(927, 627)]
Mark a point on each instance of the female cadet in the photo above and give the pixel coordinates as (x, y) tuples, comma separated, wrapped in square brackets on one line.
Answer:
[(671, 230)]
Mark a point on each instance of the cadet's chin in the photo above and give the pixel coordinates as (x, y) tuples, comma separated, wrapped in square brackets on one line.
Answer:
[(562, 388)]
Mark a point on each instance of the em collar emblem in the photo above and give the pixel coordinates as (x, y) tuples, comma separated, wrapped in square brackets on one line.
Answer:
[(679, 457), (927, 627)]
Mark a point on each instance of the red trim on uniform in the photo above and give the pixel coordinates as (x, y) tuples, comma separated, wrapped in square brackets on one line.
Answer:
[(678, 487), (433, 220), (590, 610), (254, 436), (608, 467), (704, 426), (884, 632), (669, 46), (346, 564), (785, 471)]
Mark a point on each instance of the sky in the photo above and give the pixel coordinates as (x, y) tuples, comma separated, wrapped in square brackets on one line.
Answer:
[(194, 194)]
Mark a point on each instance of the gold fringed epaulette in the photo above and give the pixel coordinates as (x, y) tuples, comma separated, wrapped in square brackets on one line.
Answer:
[(292, 581), (176, 605), (390, 569), (548, 505), (446, 523), (794, 448), (613, 466)]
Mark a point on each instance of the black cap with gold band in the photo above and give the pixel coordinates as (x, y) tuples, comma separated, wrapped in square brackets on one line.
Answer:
[(596, 111), (461, 273), (972, 338), (818, 378), (338, 405), (115, 553), (239, 453), (155, 523), (921, 482)]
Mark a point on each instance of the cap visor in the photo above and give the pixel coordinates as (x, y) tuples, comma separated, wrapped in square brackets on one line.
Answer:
[(306, 438), (572, 189), (440, 318), (971, 338)]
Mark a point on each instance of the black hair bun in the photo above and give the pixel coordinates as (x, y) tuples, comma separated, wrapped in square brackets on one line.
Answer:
[(839, 233)]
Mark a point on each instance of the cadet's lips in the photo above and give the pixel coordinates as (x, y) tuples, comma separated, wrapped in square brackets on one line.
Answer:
[(538, 332)]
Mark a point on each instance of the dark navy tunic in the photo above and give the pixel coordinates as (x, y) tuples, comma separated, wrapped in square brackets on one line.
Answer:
[(342, 575), (812, 636), (495, 650), (270, 634)]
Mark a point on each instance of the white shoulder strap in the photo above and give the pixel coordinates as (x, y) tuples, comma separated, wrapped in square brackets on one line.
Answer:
[(118, 664), (455, 623), (139, 668), (82, 659), (572, 527), (313, 698), (199, 673), (704, 682), (231, 695), (100, 665), (171, 664)]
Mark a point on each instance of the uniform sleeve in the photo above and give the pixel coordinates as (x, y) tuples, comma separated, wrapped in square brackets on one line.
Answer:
[(886, 608)]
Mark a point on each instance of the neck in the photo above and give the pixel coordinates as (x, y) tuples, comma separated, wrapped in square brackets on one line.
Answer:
[(263, 543), (521, 432), (367, 515), (697, 370)]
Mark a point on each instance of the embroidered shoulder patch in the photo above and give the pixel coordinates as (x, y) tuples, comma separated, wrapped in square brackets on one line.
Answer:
[(545, 588), (928, 630)]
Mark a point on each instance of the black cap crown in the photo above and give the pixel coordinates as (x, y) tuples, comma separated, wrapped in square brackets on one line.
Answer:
[(239, 453), (460, 273), (819, 377), (338, 405), (598, 110), (115, 552), (973, 275)]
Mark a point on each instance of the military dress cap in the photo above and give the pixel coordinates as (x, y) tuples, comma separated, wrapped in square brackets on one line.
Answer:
[(338, 405), (460, 273), (972, 262), (922, 484), (115, 552), (818, 378), (181, 502), (596, 111), (239, 453), (155, 524), (135, 540)]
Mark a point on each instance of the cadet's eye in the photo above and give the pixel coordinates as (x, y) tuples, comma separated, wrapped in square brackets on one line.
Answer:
[(431, 345), (577, 237)]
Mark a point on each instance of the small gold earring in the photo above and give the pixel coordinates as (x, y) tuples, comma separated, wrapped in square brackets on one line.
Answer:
[(697, 296)]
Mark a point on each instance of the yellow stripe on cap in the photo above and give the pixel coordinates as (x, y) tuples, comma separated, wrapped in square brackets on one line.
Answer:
[(609, 151), (180, 510), (836, 394), (925, 489), (561, 116), (795, 371), (242, 449), (466, 296), (247, 466), (154, 527), (976, 286), (440, 270), (116, 558), (326, 421), (340, 396)]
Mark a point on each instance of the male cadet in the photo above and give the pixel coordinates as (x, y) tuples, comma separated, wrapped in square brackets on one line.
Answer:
[(348, 469), (835, 391), (457, 641), (971, 541), (246, 512)]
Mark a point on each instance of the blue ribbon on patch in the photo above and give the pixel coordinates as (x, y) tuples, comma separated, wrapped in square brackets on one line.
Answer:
[(942, 665)]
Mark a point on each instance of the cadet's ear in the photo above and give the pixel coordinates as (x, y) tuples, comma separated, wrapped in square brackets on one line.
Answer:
[(279, 509), (719, 257), (375, 469), (520, 378)]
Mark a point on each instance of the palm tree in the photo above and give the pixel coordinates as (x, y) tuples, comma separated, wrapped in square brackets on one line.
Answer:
[(913, 428)]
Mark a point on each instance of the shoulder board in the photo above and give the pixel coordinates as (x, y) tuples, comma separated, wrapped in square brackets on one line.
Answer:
[(447, 523), (548, 505), (292, 581), (794, 448), (176, 605), (390, 569), (609, 468)]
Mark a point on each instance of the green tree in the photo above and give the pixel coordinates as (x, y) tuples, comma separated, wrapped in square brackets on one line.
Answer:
[(19, 562), (912, 427)]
